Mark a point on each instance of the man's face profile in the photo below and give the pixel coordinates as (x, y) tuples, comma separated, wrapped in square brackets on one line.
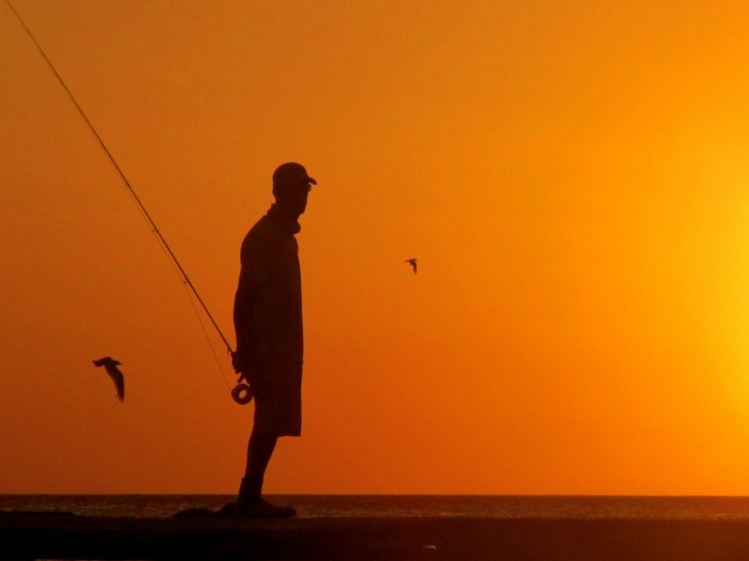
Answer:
[(293, 198)]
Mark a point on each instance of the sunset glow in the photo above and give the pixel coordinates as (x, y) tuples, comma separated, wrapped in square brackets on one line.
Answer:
[(572, 177)]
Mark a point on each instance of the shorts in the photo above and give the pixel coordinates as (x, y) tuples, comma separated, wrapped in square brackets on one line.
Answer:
[(277, 387)]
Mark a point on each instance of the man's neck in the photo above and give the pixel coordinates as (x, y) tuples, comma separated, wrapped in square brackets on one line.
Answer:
[(287, 220), (290, 215)]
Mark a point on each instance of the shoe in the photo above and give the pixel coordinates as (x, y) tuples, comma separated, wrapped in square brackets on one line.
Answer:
[(260, 508), (227, 511)]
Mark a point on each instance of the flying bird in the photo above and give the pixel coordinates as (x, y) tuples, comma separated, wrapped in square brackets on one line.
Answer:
[(110, 365), (411, 262)]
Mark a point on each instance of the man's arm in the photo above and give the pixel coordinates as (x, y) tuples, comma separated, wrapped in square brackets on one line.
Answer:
[(251, 343)]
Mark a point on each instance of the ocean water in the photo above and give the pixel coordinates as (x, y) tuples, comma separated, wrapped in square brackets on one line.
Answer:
[(312, 506)]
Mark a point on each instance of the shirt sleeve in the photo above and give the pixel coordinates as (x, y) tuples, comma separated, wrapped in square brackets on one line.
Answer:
[(255, 257)]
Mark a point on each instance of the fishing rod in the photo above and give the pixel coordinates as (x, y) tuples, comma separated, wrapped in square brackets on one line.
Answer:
[(154, 228)]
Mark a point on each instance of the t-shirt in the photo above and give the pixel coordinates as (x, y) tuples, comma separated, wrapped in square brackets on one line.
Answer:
[(272, 312)]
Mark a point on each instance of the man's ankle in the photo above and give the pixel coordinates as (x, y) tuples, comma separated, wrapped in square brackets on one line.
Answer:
[(249, 491)]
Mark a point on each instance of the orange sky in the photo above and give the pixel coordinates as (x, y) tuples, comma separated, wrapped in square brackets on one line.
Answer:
[(572, 177)]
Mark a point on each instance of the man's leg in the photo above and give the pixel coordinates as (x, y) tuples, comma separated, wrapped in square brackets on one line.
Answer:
[(277, 413), (259, 451), (250, 502)]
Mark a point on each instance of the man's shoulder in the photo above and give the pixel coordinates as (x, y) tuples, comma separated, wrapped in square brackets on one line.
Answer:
[(260, 228), (263, 236)]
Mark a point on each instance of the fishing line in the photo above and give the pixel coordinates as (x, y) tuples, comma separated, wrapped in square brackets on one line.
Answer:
[(183, 275), (207, 338)]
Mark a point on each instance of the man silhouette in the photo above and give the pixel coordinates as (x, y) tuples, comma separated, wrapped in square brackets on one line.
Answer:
[(268, 325)]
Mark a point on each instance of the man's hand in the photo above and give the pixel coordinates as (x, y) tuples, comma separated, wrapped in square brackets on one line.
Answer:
[(238, 361), (243, 365)]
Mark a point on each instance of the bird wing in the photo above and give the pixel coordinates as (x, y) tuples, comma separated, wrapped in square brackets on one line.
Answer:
[(118, 379)]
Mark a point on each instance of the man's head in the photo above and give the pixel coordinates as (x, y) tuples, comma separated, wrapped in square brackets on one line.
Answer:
[(291, 186)]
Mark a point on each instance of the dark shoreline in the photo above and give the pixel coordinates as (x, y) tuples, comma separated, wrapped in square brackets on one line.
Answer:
[(403, 506), (67, 536)]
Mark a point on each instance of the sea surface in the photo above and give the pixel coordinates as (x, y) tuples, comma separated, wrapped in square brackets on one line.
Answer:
[(315, 506)]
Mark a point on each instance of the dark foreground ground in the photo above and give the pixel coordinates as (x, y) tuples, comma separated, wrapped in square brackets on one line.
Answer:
[(65, 536)]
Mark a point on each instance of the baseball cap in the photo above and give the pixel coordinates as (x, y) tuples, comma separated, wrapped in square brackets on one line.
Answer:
[(291, 173)]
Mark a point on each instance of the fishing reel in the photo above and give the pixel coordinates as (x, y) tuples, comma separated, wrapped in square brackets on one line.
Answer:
[(242, 393)]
